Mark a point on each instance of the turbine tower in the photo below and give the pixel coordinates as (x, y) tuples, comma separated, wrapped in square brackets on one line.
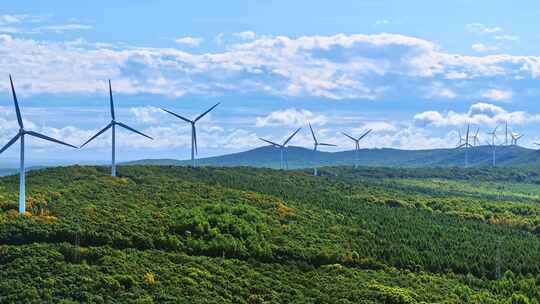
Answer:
[(113, 125), (316, 144), (492, 144), (466, 145), (506, 132), (194, 150), (20, 135), (357, 145), (282, 147)]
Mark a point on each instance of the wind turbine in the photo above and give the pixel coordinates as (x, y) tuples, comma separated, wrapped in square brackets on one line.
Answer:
[(281, 147), (515, 138), (113, 125), (194, 150), (357, 145), (466, 145), (493, 146), (20, 135), (316, 144), (476, 141)]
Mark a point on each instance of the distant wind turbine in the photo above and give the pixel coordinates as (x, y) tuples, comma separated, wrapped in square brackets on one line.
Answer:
[(476, 141), (20, 135), (466, 145), (492, 144), (316, 144), (113, 125), (282, 147), (357, 145), (194, 149), (515, 138)]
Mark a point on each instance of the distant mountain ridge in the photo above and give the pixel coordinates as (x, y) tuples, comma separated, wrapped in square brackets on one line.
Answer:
[(299, 157)]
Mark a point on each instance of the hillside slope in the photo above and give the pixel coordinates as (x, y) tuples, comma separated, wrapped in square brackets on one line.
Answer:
[(306, 158), (245, 235)]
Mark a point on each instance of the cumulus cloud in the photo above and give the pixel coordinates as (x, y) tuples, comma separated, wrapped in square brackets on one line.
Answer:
[(337, 67), (497, 95), (60, 28), (479, 113), (290, 117), (190, 41)]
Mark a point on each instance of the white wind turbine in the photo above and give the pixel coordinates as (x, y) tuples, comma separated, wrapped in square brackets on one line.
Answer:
[(194, 150), (476, 140), (20, 135), (316, 144), (113, 125), (357, 145), (515, 138), (492, 144), (465, 145), (282, 148)]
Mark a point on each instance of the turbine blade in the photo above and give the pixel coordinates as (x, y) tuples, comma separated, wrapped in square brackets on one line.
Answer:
[(132, 130), (354, 139), (290, 137), (324, 144), (111, 100), (270, 142), (39, 135), (17, 110), (14, 139), (178, 116), (365, 134), (207, 111), (97, 134), (312, 133)]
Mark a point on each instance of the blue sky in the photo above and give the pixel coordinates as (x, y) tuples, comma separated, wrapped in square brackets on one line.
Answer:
[(414, 71)]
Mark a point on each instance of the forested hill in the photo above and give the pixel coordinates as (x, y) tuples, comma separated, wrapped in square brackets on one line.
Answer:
[(170, 234), (304, 158)]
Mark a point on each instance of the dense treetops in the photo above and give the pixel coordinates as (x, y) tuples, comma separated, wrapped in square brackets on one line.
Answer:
[(214, 235)]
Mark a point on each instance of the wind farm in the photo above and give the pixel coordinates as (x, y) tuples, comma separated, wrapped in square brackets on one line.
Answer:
[(269, 152)]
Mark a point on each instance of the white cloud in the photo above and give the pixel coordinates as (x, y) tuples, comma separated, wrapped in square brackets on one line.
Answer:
[(481, 48), (191, 41), (379, 126), (146, 114), (479, 28), (331, 67), (382, 22), (246, 35), (438, 90), (60, 28), (479, 113), (8, 19), (290, 117), (497, 95), (507, 37)]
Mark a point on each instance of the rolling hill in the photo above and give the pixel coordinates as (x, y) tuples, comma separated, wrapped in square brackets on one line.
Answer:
[(171, 234), (305, 158)]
